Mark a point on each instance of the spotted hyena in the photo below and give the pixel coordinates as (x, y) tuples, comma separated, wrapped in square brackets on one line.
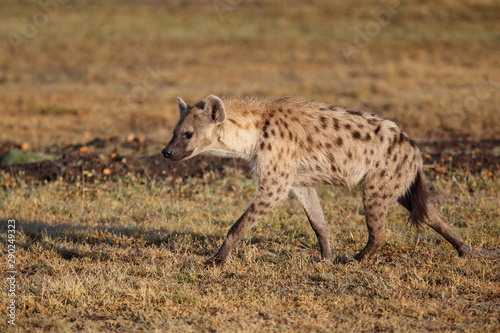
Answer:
[(293, 146)]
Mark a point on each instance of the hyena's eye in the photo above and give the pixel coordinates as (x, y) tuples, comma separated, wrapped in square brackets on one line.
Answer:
[(188, 135)]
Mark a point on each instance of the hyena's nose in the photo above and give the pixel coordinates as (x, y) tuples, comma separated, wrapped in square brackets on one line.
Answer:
[(166, 152)]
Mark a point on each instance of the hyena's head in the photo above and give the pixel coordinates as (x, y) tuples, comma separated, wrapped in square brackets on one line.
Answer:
[(195, 131)]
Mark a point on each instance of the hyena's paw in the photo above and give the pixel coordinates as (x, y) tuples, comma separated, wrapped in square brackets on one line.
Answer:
[(215, 262), (467, 251)]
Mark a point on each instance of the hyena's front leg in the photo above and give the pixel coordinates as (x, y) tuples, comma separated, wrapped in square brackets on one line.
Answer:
[(265, 199), (309, 200)]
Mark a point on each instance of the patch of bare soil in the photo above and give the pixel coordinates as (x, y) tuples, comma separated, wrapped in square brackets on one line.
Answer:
[(471, 156), (103, 159)]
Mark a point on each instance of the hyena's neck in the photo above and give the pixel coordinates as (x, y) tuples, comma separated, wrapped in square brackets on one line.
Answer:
[(236, 137)]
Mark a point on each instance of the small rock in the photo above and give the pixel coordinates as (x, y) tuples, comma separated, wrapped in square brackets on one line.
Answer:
[(25, 146)]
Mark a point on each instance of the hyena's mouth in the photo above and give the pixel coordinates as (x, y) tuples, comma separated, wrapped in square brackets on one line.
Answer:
[(176, 157), (181, 158)]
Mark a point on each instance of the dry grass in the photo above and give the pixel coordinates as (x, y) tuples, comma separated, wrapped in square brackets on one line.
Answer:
[(127, 255)]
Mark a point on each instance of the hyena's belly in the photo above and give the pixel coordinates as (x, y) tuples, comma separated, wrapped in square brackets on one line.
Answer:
[(334, 175)]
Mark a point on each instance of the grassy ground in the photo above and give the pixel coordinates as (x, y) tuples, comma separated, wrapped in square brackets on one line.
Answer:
[(126, 253)]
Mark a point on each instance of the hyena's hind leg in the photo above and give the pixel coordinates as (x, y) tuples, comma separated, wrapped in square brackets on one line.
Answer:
[(309, 200), (421, 210), (375, 207)]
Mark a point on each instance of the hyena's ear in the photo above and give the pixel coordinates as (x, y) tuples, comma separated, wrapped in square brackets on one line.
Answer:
[(215, 109), (182, 106)]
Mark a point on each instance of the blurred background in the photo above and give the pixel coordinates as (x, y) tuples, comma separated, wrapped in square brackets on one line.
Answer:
[(72, 71)]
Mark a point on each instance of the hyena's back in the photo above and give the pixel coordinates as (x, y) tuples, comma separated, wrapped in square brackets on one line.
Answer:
[(340, 147)]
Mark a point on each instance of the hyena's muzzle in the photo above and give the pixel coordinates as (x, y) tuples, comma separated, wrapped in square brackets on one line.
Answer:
[(176, 151)]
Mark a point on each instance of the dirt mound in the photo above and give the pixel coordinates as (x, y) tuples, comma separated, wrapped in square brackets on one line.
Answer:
[(103, 159), (107, 158)]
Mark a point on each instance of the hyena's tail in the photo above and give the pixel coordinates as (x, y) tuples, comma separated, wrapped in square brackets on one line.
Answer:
[(415, 200)]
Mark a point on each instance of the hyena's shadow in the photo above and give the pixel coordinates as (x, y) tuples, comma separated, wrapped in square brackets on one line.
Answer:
[(72, 240)]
